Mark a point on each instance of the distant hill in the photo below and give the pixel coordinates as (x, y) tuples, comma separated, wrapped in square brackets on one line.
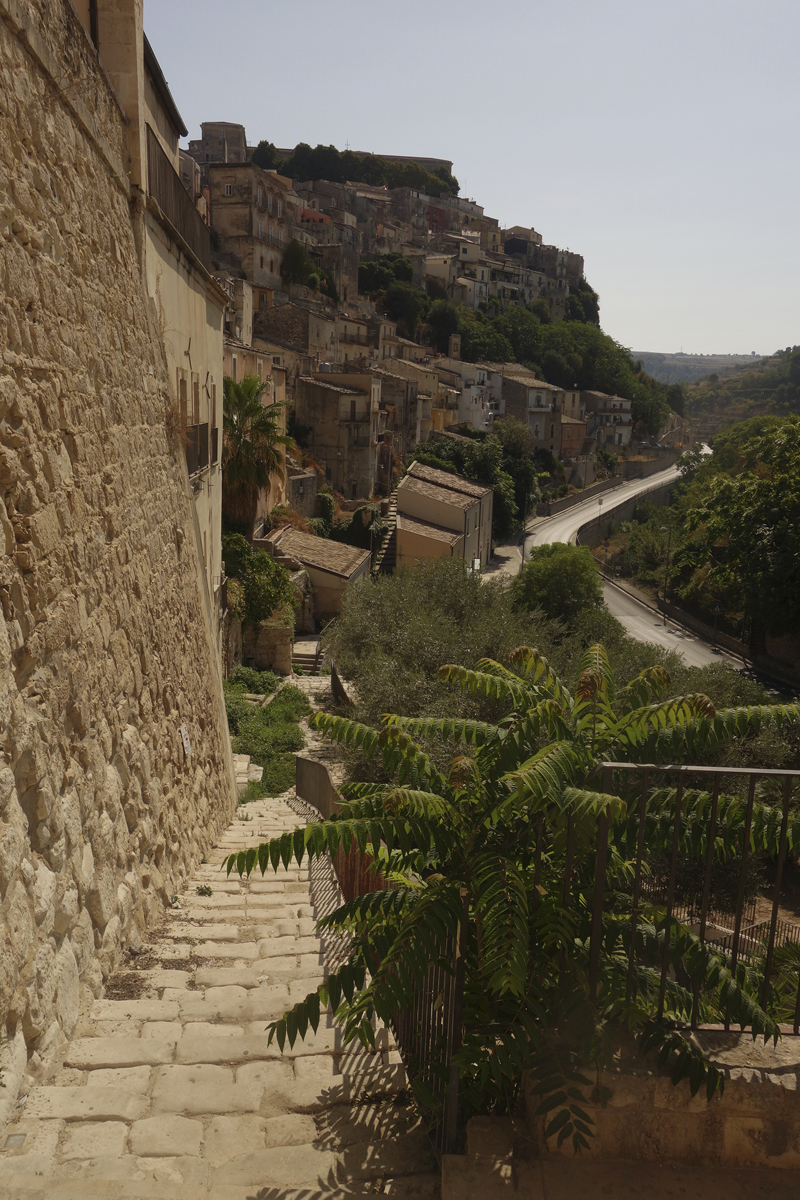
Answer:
[(688, 368), (766, 386)]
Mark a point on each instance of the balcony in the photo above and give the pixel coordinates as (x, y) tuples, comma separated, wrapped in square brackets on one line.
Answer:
[(164, 186), (197, 448)]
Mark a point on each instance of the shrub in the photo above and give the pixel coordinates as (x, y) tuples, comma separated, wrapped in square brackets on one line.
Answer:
[(560, 579), (259, 683), (270, 735)]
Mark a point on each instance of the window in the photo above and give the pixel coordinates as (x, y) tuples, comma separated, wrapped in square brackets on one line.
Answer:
[(262, 263), (182, 397), (221, 136), (259, 197), (280, 208), (213, 404), (271, 268), (269, 201), (271, 234), (233, 368), (280, 237), (261, 229), (259, 368), (228, 189)]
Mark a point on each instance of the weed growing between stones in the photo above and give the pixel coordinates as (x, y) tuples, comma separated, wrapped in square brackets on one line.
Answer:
[(204, 890), (270, 735)]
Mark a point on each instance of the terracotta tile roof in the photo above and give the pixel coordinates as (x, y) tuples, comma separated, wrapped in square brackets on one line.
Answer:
[(433, 492), (331, 387), (424, 529), (335, 557), (455, 483)]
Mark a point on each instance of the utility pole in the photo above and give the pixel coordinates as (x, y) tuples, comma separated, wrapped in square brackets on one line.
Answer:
[(666, 571)]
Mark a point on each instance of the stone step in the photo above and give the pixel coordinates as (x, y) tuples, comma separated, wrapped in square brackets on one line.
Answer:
[(160, 1187)]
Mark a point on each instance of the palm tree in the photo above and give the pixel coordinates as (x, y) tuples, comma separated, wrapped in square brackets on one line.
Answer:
[(252, 437), (499, 852)]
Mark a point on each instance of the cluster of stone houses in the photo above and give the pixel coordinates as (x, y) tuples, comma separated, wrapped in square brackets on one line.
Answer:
[(216, 229)]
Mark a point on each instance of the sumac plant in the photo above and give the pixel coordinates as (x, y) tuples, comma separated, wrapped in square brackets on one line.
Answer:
[(488, 837)]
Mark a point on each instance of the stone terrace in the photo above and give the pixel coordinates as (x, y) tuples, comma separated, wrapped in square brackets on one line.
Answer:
[(174, 1093)]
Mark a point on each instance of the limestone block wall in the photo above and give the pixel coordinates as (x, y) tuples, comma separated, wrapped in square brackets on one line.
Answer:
[(105, 646)]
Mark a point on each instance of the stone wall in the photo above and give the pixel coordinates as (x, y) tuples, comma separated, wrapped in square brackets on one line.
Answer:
[(269, 649), (105, 642)]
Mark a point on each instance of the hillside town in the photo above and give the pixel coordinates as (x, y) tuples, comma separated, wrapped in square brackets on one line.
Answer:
[(398, 790)]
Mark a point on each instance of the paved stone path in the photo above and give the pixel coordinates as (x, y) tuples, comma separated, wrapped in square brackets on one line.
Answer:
[(174, 1093)]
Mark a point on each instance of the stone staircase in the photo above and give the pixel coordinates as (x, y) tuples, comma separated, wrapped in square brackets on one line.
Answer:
[(386, 558), (169, 1090), (246, 771), (305, 655)]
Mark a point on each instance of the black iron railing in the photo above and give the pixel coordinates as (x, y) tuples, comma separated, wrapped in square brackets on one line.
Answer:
[(430, 1031), (736, 932), (165, 187)]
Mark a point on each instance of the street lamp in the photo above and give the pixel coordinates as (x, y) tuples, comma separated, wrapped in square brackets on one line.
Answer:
[(668, 532)]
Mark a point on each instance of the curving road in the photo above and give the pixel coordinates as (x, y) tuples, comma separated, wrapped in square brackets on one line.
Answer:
[(640, 621)]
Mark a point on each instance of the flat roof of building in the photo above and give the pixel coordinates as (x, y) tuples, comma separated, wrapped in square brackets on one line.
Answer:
[(334, 557), (456, 483), (408, 524)]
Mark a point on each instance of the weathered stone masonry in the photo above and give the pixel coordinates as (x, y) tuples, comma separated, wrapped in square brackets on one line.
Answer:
[(105, 647)]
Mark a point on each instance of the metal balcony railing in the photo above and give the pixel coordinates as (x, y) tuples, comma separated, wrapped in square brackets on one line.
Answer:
[(165, 187)]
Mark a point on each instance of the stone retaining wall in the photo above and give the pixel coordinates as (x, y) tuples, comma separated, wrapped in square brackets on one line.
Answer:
[(106, 652)]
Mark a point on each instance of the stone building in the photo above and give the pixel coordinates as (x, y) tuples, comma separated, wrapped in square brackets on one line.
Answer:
[(440, 515), (344, 417), (116, 775), (313, 331), (609, 418), (189, 302), (252, 215), (219, 141)]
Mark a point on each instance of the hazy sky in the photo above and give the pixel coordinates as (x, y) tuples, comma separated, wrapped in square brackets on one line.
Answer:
[(659, 140)]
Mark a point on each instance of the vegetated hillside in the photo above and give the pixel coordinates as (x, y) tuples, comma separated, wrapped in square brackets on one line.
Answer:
[(345, 166), (732, 533), (771, 386), (567, 353), (688, 368)]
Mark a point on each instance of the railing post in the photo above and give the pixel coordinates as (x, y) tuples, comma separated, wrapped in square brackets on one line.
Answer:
[(776, 898), (451, 1111), (637, 883), (737, 927), (599, 890), (676, 838), (712, 834)]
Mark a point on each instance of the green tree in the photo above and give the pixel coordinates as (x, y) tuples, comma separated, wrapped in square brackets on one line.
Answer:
[(560, 579), (443, 321), (252, 442), (266, 586), (518, 461), (265, 156), (297, 264), (478, 848), (407, 305), (752, 525)]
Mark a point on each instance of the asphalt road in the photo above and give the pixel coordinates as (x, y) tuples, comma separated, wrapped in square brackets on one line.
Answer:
[(564, 526), (640, 621), (646, 625)]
